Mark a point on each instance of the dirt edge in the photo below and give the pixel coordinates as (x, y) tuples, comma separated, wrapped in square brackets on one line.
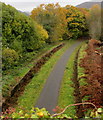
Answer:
[(77, 93), (20, 87)]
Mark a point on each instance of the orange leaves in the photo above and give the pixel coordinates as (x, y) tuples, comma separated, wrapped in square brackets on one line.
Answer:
[(53, 19), (58, 20), (92, 64), (70, 19)]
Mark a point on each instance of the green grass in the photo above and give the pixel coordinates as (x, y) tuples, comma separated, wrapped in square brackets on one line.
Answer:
[(33, 89), (11, 77), (66, 96), (81, 70)]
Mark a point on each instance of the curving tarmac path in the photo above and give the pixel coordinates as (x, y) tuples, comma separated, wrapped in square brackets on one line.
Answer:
[(49, 96)]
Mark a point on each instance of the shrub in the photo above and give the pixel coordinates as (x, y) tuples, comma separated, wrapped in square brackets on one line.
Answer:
[(10, 57)]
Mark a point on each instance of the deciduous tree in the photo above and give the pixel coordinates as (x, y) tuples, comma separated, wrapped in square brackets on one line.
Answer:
[(94, 22)]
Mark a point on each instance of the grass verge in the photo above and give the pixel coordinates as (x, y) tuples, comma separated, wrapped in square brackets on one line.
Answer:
[(66, 96), (81, 70), (33, 89), (11, 77)]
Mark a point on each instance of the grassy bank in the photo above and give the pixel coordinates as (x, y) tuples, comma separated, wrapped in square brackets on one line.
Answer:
[(33, 89), (12, 76), (81, 73)]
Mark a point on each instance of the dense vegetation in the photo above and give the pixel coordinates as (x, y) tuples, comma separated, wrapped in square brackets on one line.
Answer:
[(24, 36), (21, 35), (53, 19), (60, 23), (76, 22), (44, 114), (50, 23)]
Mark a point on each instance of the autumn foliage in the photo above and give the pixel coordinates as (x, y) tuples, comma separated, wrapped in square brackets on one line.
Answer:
[(93, 18), (62, 23), (92, 63), (53, 19), (48, 23), (76, 22)]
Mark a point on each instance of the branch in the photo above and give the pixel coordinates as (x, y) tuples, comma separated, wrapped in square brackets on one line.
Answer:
[(98, 53), (73, 105)]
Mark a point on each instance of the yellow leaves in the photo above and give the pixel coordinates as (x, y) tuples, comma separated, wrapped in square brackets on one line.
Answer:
[(53, 19), (74, 15), (75, 24), (42, 33), (69, 19), (36, 11), (40, 114), (10, 56), (33, 14), (76, 21), (7, 52)]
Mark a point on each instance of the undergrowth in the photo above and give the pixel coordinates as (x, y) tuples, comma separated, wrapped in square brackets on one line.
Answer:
[(12, 77), (81, 71)]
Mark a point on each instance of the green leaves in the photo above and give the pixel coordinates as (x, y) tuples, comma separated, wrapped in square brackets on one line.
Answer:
[(97, 114), (76, 22), (10, 57), (53, 19), (33, 113), (20, 32), (44, 114)]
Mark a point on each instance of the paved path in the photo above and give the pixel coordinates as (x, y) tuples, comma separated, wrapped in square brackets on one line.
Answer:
[(49, 95)]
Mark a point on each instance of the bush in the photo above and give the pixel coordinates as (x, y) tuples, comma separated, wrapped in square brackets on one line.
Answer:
[(10, 58), (44, 114), (20, 32)]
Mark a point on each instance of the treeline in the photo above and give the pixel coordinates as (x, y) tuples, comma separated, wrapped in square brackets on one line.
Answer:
[(23, 35), (61, 22)]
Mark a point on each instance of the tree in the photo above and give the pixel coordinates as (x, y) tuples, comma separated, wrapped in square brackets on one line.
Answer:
[(53, 19), (94, 22), (76, 22), (20, 32)]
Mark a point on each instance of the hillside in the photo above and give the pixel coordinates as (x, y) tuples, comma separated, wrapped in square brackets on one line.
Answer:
[(25, 13), (88, 4)]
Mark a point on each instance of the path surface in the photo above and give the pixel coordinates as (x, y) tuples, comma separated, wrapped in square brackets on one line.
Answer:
[(49, 95)]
